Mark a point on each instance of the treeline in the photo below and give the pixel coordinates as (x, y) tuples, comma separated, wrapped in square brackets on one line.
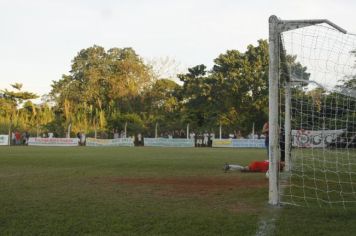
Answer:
[(108, 90), (111, 89)]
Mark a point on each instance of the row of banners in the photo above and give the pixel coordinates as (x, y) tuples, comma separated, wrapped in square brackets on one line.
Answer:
[(300, 138), (129, 142), (126, 142)]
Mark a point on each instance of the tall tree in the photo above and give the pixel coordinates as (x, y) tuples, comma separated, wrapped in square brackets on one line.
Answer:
[(244, 79), (10, 103), (196, 97), (99, 84)]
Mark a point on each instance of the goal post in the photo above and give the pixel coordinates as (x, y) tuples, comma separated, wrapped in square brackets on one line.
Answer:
[(273, 154), (280, 93)]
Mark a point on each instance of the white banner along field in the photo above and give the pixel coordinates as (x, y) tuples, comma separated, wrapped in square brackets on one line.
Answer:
[(168, 142), (64, 142), (4, 139), (127, 142)]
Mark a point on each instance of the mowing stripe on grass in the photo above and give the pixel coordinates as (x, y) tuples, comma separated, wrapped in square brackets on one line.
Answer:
[(267, 223)]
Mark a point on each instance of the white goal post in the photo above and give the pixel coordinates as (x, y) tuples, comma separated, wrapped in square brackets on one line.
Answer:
[(313, 50)]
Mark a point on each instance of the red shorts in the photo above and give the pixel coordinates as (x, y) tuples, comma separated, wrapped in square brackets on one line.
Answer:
[(259, 166)]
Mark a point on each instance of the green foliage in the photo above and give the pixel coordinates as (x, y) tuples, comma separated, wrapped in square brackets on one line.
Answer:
[(234, 93), (133, 121), (12, 116), (100, 83), (106, 89)]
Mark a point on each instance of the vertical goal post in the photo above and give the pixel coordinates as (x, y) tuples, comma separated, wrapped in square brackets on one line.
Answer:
[(276, 28)]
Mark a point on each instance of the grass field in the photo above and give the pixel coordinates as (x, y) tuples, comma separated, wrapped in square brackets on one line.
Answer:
[(147, 191), (321, 178)]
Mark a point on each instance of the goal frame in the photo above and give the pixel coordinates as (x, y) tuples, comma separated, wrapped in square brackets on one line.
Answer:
[(276, 27)]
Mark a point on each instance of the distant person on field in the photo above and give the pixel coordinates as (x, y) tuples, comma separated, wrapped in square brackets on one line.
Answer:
[(27, 137), (18, 137), (265, 132), (205, 138), (282, 145), (13, 138), (255, 166), (116, 134), (82, 139), (139, 139), (23, 137), (212, 137), (79, 138)]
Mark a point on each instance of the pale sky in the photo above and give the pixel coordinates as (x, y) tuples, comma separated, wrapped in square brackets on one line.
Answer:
[(39, 38)]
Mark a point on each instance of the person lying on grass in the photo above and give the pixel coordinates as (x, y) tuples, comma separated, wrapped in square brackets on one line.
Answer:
[(255, 166)]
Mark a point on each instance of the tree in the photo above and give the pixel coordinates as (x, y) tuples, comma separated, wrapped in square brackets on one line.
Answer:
[(195, 96), (100, 83), (10, 105), (243, 78), (161, 105)]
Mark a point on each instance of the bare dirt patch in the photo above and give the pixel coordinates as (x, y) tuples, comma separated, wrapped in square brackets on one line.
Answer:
[(188, 185), (244, 207)]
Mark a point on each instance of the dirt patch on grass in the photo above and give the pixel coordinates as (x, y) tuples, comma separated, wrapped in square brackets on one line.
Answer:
[(190, 185), (244, 207)]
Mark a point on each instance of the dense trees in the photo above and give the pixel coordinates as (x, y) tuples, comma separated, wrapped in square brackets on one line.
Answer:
[(114, 89), (101, 84), (110, 89), (13, 116), (234, 93)]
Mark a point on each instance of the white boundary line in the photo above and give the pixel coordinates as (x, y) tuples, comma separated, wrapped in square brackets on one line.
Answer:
[(267, 222)]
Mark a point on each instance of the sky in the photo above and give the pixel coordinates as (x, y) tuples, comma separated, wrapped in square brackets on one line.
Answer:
[(39, 38)]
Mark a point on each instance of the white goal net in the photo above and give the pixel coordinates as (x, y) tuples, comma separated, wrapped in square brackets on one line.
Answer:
[(317, 94)]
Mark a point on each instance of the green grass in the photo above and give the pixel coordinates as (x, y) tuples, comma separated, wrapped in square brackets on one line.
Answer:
[(145, 191), (71, 191), (322, 177), (321, 183)]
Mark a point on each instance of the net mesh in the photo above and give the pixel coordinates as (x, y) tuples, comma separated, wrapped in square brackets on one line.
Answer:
[(319, 63)]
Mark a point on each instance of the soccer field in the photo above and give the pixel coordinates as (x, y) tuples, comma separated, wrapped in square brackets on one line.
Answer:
[(147, 191)]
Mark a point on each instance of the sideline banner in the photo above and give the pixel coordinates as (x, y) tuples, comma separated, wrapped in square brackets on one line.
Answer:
[(239, 143), (4, 139), (168, 142), (314, 138), (222, 143), (64, 142), (248, 143), (126, 142)]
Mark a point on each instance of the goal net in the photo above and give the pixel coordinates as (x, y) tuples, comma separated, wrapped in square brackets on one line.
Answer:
[(317, 114)]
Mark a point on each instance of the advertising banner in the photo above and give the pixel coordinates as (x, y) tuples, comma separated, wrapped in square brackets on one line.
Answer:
[(314, 138), (248, 143), (239, 143), (64, 142), (168, 142), (127, 142), (4, 139), (222, 143)]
